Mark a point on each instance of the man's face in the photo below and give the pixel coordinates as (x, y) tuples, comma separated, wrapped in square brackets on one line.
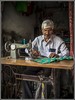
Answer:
[(47, 32)]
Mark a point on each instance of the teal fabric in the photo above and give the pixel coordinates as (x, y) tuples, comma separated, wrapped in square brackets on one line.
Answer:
[(49, 60)]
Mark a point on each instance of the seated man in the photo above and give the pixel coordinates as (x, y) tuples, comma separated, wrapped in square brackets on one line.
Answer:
[(48, 45)]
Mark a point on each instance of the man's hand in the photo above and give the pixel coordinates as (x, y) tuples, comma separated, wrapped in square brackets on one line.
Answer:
[(35, 53), (53, 55)]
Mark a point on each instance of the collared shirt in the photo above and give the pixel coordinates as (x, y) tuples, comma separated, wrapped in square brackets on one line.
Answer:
[(55, 44)]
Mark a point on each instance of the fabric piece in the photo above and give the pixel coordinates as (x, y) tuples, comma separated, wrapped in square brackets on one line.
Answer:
[(49, 60)]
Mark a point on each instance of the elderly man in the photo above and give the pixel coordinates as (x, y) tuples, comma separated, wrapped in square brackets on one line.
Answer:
[(47, 45)]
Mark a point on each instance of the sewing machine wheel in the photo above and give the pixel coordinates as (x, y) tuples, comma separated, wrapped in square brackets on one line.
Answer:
[(10, 87), (7, 46)]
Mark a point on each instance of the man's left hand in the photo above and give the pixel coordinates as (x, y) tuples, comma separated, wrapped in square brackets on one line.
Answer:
[(53, 55)]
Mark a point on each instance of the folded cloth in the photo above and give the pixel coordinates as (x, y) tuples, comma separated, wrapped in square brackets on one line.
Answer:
[(66, 58), (49, 60)]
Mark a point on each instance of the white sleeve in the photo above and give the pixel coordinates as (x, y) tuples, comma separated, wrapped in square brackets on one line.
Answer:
[(26, 50), (34, 44), (63, 50)]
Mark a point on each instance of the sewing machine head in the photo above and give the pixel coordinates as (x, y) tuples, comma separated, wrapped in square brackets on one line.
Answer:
[(14, 48)]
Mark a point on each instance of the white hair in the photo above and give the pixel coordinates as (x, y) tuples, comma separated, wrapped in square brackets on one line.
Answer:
[(47, 24)]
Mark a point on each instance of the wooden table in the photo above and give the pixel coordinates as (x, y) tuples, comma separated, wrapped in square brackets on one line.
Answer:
[(65, 64), (56, 66)]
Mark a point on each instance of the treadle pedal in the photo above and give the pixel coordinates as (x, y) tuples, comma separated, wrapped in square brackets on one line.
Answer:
[(39, 78)]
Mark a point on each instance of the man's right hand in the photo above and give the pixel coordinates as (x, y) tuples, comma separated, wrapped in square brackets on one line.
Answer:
[(35, 53)]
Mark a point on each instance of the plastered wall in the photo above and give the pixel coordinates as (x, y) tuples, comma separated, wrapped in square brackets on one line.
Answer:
[(15, 21)]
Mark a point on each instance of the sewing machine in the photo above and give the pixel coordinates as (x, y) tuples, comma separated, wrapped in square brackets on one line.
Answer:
[(14, 48)]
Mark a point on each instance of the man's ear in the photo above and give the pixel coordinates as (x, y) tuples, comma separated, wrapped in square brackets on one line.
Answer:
[(42, 30)]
